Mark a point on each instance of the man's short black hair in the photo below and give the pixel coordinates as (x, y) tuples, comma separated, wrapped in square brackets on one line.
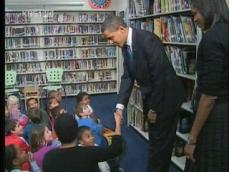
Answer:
[(112, 23), (66, 128)]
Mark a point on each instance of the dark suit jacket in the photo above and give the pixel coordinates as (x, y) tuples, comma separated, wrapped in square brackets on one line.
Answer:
[(160, 87)]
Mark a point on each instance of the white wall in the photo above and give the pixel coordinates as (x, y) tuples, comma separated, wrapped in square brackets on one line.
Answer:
[(117, 5)]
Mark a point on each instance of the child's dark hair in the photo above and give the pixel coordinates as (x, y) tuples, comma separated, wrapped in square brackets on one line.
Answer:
[(34, 115), (80, 96), (58, 111), (10, 155), (53, 94), (10, 125), (81, 130)]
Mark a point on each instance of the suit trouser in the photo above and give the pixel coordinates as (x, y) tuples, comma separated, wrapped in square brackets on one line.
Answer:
[(161, 138)]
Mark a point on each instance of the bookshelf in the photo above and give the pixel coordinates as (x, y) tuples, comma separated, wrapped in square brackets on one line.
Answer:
[(172, 22), (37, 40)]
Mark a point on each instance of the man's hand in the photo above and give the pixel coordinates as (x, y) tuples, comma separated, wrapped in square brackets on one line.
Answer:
[(152, 117)]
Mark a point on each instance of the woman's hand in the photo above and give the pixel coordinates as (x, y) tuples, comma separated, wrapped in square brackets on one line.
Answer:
[(189, 151)]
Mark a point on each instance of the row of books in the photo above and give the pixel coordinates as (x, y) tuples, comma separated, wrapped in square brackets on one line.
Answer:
[(169, 28), (68, 78), (101, 87), (183, 60), (189, 87), (136, 8), (77, 17), (91, 88), (89, 76), (66, 65), (52, 29), (139, 8), (36, 79), (44, 42), (136, 118), (143, 25), (185, 121), (26, 17), (136, 97), (163, 6), (175, 29), (56, 54)]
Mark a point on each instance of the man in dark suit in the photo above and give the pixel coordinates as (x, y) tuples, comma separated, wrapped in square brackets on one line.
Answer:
[(146, 62)]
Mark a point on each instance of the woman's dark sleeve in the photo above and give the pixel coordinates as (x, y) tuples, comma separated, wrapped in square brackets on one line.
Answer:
[(211, 70)]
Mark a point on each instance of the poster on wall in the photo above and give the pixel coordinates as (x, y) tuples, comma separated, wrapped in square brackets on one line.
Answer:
[(100, 4)]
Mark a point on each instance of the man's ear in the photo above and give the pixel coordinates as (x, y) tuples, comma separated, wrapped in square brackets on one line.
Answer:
[(122, 28)]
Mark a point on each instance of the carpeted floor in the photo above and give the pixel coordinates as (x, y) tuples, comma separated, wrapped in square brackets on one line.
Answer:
[(135, 157)]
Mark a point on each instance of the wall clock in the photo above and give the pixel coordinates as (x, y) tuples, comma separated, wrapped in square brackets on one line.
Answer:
[(100, 4)]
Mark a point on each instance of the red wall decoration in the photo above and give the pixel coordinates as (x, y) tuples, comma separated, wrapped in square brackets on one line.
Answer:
[(100, 4)]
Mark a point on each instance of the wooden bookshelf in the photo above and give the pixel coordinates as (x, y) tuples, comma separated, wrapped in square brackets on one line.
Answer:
[(187, 106), (182, 136), (188, 76), (179, 161), (161, 14), (142, 133)]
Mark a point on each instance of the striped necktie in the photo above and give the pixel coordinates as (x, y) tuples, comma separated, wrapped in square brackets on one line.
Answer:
[(129, 53), (129, 58)]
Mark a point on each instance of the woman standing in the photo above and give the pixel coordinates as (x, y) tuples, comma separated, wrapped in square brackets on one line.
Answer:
[(207, 146)]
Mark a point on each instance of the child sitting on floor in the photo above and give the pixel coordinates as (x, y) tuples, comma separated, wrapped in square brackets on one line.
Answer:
[(13, 133), (14, 111), (41, 142), (86, 138), (14, 157), (53, 105), (97, 128), (83, 108)]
